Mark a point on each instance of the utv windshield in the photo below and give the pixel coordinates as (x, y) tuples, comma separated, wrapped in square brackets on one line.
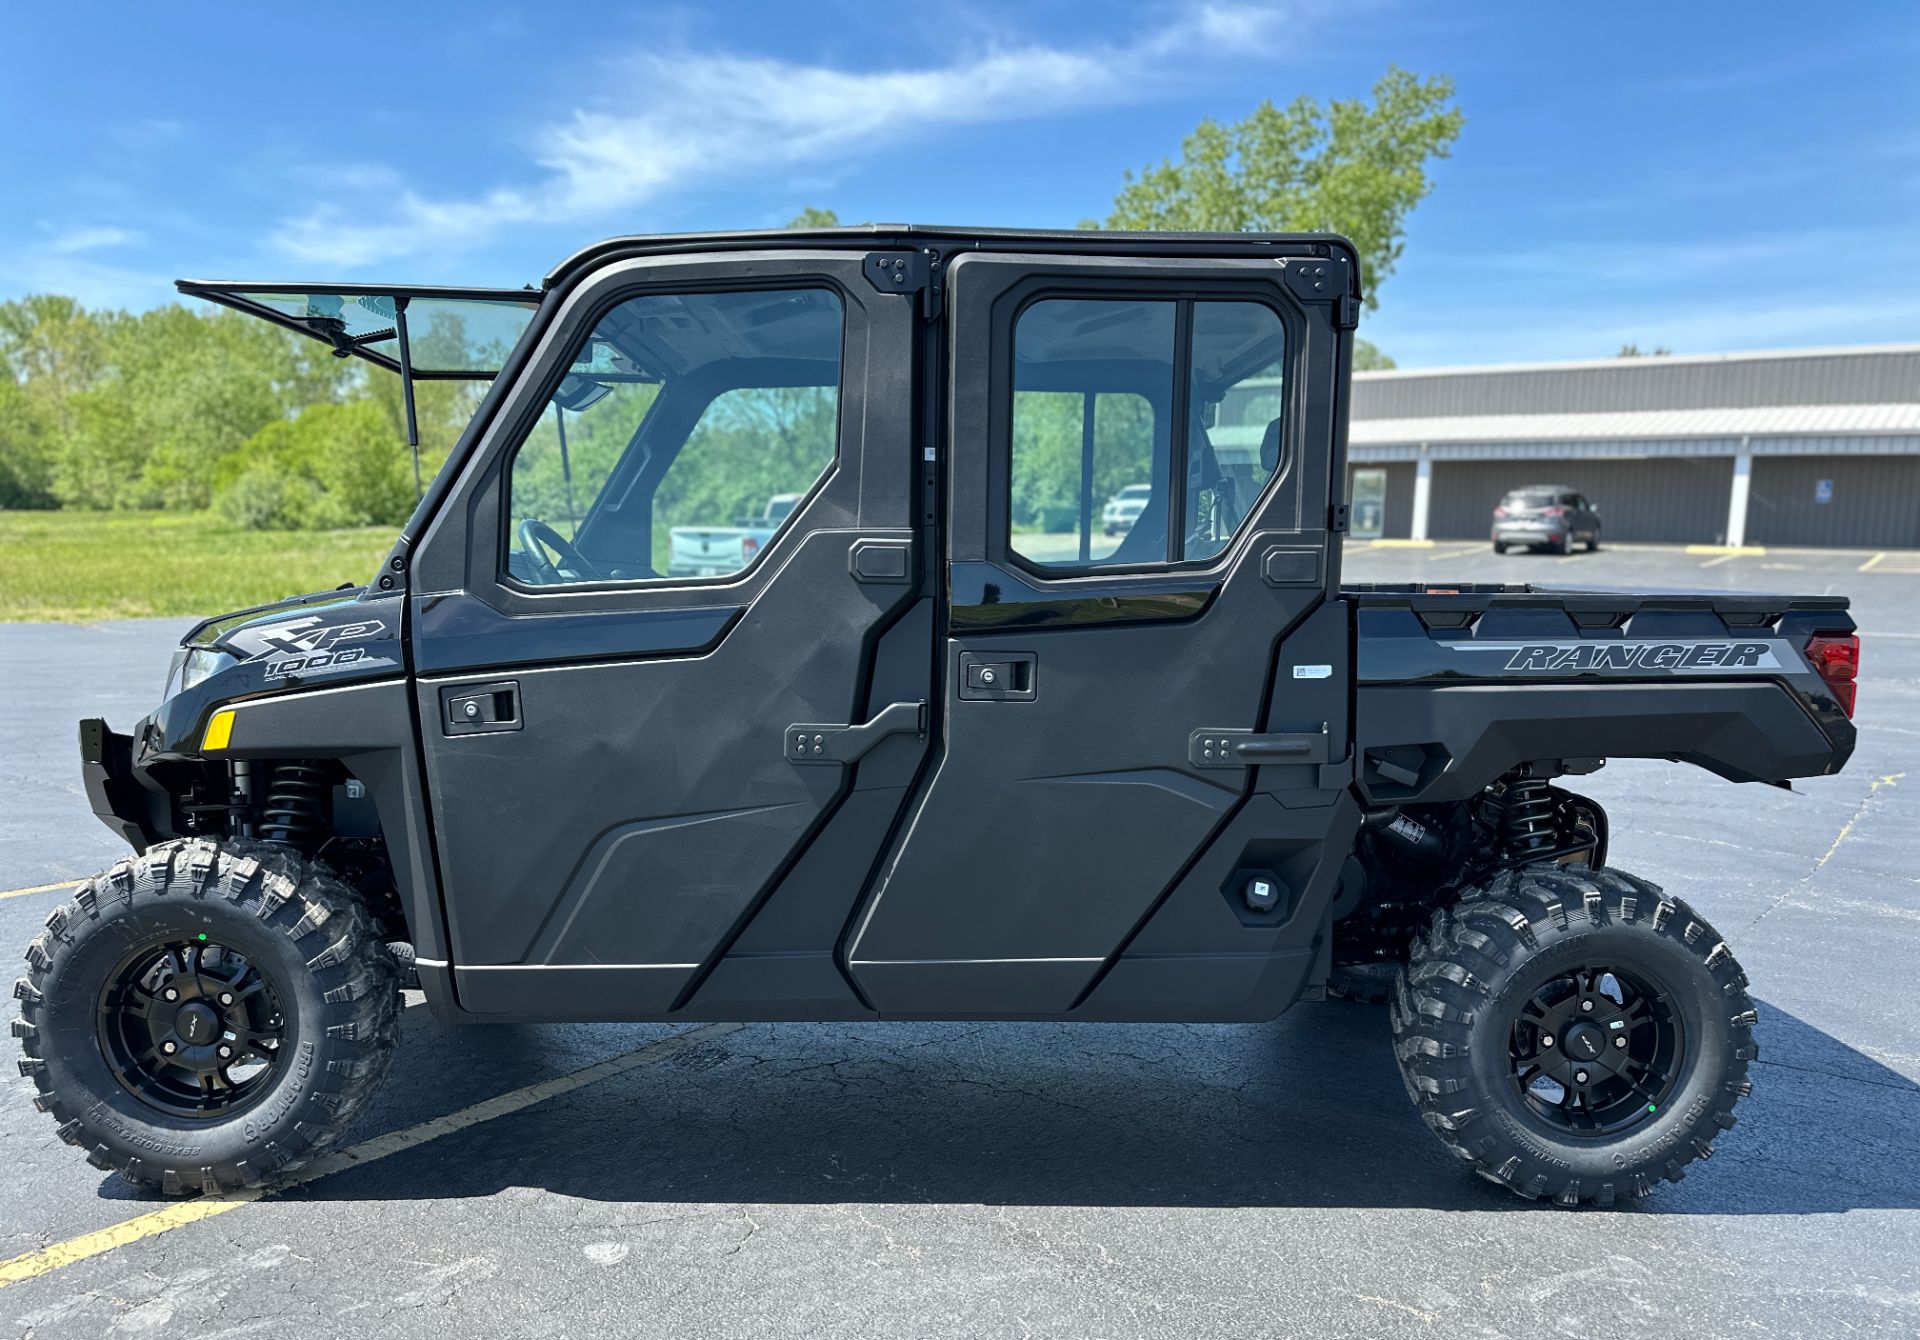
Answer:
[(450, 333)]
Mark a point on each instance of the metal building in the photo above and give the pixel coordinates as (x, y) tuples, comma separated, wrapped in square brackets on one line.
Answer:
[(1784, 447)]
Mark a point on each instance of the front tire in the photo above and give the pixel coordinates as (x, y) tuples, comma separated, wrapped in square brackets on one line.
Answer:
[(200, 1020), (1509, 1024)]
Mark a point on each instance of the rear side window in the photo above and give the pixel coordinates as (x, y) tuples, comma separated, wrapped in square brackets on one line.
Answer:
[(1112, 463), (1234, 444), (1092, 386)]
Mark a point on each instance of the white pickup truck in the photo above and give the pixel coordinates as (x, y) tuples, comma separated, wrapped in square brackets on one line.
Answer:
[(712, 551)]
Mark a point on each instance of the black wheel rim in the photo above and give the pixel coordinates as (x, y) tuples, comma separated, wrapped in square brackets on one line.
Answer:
[(192, 1028), (1596, 1050)]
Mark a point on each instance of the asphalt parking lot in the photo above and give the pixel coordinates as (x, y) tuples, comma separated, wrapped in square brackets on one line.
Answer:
[(1092, 1180)]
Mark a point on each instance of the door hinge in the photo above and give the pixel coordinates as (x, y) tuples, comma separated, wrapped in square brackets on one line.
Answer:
[(905, 272), (1346, 313), (819, 742), (1337, 518)]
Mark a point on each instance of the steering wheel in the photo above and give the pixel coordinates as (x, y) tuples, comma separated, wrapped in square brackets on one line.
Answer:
[(536, 537)]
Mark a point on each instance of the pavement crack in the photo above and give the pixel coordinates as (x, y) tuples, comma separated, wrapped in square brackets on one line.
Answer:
[(1867, 802)]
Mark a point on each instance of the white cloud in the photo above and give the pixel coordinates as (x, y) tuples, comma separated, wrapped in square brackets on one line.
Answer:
[(694, 117), (92, 283), (98, 238)]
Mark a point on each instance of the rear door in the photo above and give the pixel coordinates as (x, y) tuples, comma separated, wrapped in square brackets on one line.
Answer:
[(625, 758), (1098, 688)]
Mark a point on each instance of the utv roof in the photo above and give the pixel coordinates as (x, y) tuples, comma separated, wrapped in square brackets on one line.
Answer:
[(912, 235)]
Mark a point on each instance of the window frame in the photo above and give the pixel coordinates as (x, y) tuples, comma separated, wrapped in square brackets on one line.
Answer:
[(550, 384), (1184, 295)]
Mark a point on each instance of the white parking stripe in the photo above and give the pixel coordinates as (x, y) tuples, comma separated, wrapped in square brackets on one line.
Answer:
[(63, 1254)]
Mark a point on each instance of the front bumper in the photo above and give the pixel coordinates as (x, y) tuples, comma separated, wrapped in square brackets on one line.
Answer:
[(114, 787)]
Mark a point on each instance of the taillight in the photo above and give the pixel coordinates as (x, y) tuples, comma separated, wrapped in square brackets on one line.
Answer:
[(748, 548), (1836, 657), (1499, 511), (1556, 511)]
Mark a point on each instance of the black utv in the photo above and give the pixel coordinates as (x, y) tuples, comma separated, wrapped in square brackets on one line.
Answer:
[(934, 745)]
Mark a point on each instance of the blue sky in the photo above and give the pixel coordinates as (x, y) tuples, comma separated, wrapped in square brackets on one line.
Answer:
[(1705, 177)]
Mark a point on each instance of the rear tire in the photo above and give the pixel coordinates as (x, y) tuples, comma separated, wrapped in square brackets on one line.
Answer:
[(1479, 1065), (1593, 543), (1499, 548), (286, 984)]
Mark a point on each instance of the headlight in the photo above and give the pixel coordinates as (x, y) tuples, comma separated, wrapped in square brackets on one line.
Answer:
[(193, 666)]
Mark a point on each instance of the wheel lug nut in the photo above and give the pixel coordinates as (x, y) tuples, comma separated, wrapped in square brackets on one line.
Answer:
[(173, 993), (225, 1052), (1619, 1042), (1547, 1040), (1586, 1006), (1579, 1077), (226, 997), (169, 1048)]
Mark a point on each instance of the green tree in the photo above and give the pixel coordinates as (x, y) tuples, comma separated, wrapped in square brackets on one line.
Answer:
[(335, 464), (1352, 166), (1368, 358), (1635, 351), (814, 217), (52, 353)]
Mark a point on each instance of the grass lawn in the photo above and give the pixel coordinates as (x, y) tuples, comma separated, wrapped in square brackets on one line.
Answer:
[(75, 567)]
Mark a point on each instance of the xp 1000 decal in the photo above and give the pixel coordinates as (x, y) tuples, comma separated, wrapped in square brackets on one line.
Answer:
[(307, 646)]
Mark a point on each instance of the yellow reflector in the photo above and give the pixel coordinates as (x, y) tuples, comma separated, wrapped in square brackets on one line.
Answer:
[(219, 730)]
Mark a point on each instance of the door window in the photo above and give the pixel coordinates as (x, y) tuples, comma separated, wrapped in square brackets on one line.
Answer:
[(1092, 389), (685, 435), (1094, 454), (1234, 444)]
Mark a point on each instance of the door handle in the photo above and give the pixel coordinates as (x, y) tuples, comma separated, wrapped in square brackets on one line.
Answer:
[(477, 709), (1005, 677), (817, 742), (1220, 747)]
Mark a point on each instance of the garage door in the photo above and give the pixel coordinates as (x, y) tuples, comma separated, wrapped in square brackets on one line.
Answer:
[(1675, 501), (1859, 501)]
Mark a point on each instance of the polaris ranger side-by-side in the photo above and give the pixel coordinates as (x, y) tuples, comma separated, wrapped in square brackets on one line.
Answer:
[(942, 748)]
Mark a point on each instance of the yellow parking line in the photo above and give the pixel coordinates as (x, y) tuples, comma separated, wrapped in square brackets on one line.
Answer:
[(62, 1254), (41, 888), (1730, 550), (1716, 562), (1871, 563)]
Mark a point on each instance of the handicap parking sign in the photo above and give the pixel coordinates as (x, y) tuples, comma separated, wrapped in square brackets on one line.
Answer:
[(1823, 490)]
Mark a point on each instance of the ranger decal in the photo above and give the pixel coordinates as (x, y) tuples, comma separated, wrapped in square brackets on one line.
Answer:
[(1714, 656)]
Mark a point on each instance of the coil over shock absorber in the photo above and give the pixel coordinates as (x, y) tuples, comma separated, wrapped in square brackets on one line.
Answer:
[(1526, 815), (295, 811)]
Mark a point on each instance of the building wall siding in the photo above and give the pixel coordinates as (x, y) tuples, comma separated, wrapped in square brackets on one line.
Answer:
[(1865, 377), (1657, 500), (1876, 501)]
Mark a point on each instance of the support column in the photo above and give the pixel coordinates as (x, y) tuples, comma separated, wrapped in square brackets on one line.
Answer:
[(1422, 492), (1737, 497)]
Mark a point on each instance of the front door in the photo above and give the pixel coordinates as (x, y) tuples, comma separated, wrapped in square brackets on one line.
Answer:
[(1106, 660), (681, 542)]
